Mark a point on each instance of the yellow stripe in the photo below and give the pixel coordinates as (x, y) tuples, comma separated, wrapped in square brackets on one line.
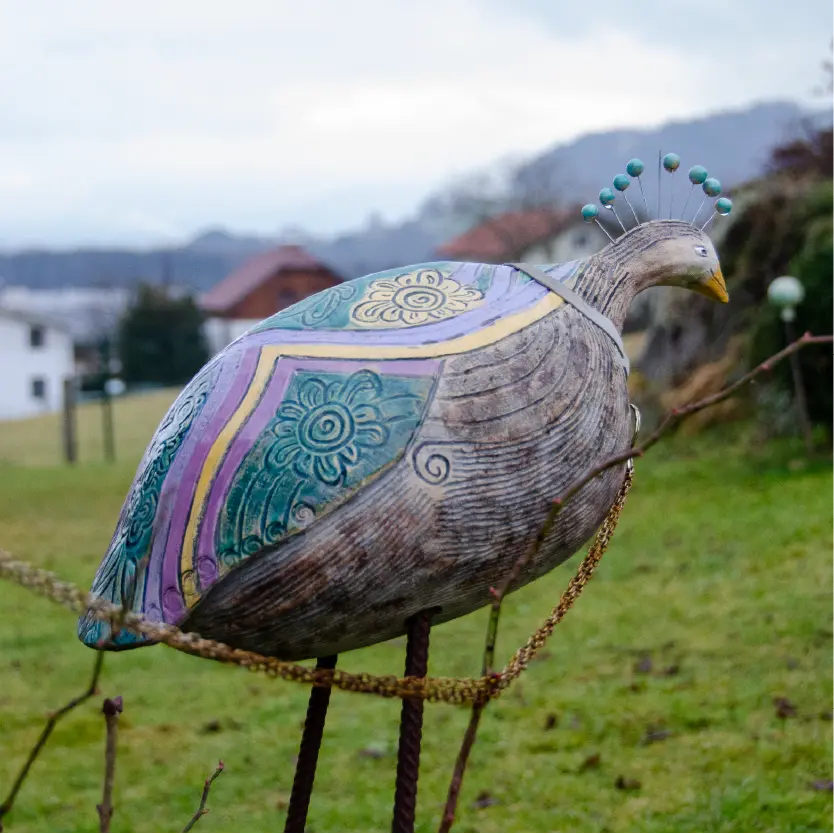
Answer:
[(460, 344), (215, 456), (270, 355)]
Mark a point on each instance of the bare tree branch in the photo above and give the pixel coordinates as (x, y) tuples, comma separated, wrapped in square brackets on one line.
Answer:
[(111, 708), (91, 690), (461, 762), (670, 421), (202, 810)]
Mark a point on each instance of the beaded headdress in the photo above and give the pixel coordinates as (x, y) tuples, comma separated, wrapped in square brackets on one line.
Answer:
[(670, 163)]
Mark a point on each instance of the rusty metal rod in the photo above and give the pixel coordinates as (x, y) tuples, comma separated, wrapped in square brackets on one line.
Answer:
[(411, 725), (308, 753)]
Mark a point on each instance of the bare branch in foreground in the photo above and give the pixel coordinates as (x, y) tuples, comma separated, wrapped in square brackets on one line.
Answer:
[(111, 708), (202, 810), (47, 731), (461, 762), (670, 421)]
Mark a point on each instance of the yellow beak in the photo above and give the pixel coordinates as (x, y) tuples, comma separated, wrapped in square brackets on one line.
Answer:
[(714, 287)]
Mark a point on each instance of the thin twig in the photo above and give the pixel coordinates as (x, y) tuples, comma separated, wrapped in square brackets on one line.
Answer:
[(461, 762), (111, 708), (47, 731), (671, 420), (202, 810)]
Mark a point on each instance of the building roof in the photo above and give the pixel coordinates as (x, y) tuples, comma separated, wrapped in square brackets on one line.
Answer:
[(508, 235), (253, 272), (35, 319)]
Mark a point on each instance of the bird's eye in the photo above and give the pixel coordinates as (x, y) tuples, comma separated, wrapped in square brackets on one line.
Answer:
[(701, 251)]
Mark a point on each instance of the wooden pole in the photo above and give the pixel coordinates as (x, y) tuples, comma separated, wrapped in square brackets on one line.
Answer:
[(69, 425), (107, 427)]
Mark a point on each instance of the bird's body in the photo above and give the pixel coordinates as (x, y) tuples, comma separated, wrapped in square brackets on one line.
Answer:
[(387, 446)]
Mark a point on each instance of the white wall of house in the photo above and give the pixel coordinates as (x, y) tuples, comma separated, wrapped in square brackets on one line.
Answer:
[(87, 312), (35, 358), (222, 332)]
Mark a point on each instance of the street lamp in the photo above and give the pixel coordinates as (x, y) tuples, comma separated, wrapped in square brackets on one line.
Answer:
[(786, 293)]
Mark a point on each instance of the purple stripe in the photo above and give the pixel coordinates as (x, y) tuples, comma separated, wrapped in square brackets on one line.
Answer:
[(206, 555), (178, 489)]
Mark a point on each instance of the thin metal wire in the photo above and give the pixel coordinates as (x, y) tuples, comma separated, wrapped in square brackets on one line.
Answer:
[(709, 220), (604, 230), (686, 202), (695, 216), (628, 203), (659, 187), (614, 212), (645, 201)]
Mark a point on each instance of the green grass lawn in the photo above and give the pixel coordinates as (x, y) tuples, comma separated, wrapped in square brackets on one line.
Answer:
[(713, 601)]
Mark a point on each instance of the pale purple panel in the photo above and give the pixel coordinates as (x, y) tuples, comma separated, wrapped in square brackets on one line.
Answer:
[(178, 490), (205, 555)]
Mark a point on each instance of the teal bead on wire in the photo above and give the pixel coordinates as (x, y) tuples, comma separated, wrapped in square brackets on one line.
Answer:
[(590, 212), (621, 182), (635, 167), (607, 196), (697, 174), (712, 187), (671, 162), (724, 205)]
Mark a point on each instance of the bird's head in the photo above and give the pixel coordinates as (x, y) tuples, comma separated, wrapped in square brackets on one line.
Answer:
[(670, 253)]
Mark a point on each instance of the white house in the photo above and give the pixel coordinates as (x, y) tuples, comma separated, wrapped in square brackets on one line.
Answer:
[(88, 312), (36, 356)]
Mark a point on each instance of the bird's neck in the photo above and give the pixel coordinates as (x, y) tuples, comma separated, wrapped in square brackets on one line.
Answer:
[(610, 286)]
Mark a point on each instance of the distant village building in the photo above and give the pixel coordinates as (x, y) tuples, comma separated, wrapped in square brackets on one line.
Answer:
[(36, 356), (90, 313), (260, 287), (538, 236)]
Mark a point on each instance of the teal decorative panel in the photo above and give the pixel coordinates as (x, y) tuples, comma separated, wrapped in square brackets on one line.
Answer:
[(331, 433)]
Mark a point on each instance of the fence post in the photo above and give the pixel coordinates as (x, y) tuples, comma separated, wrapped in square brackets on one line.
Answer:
[(69, 425), (107, 426)]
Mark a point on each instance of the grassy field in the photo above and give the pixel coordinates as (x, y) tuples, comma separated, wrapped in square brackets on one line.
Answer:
[(690, 690)]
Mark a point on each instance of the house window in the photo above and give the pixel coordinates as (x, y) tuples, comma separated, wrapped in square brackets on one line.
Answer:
[(38, 388), (37, 336)]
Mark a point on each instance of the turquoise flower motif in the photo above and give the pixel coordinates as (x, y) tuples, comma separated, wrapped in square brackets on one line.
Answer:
[(322, 433)]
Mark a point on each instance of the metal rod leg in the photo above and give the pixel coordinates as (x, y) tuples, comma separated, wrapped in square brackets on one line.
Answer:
[(411, 725), (308, 753)]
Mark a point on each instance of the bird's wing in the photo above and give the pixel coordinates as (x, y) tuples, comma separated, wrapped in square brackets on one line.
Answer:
[(291, 420)]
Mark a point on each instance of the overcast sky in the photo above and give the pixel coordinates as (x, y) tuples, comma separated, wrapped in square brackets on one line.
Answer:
[(146, 122)]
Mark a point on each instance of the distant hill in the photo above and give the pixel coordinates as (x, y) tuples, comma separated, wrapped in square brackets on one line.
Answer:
[(734, 144)]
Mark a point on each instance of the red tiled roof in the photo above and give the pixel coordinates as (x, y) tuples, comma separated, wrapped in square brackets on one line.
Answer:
[(507, 235), (250, 274)]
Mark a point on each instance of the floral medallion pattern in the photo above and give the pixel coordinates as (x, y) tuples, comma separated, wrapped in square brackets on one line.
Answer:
[(331, 434), (422, 297), (323, 432)]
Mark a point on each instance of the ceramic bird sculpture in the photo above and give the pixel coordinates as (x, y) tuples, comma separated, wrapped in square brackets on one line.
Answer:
[(390, 445)]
